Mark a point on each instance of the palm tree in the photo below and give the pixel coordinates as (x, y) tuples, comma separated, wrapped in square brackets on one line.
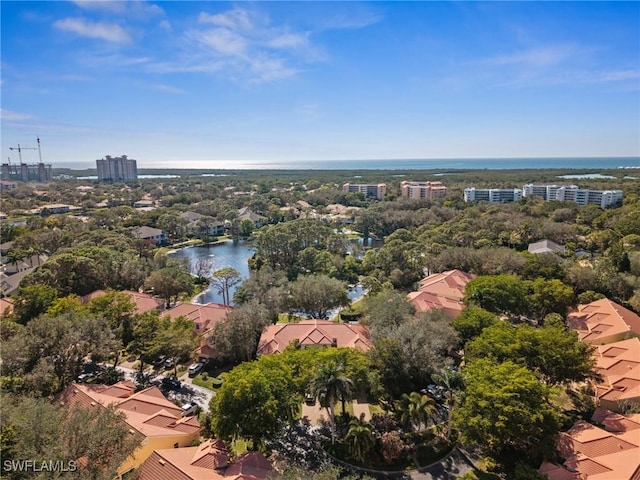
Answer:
[(359, 438), (452, 381), (415, 410), (330, 385)]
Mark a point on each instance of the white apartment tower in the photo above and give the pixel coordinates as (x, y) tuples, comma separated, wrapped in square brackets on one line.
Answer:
[(117, 169)]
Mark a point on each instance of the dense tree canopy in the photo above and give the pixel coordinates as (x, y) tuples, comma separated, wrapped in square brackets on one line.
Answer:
[(505, 411)]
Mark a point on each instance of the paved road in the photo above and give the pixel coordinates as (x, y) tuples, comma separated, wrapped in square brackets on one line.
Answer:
[(450, 468), (187, 394)]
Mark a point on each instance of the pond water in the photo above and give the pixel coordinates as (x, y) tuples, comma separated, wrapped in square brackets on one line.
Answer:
[(237, 255), (222, 255)]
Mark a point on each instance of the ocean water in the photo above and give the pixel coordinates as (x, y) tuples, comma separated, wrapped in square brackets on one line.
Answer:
[(388, 164)]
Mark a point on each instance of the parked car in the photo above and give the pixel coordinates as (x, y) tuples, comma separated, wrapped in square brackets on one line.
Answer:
[(434, 391), (84, 377), (309, 399), (189, 409), (159, 362), (171, 383), (195, 369), (170, 363)]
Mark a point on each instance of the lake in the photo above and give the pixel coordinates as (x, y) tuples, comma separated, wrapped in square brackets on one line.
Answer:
[(222, 255), (237, 255)]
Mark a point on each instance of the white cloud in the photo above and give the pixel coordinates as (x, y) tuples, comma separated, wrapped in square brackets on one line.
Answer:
[(540, 57), (101, 30), (168, 88), (236, 19), (223, 41), (135, 8), (288, 40), (14, 116)]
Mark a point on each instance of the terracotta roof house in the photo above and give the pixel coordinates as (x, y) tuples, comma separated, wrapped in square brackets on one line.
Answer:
[(441, 291), (205, 317), (143, 301), (618, 364), (208, 461), (6, 307), (594, 453), (604, 321), (545, 246), (314, 333), (147, 412)]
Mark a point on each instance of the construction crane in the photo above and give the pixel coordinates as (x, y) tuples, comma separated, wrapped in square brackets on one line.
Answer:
[(19, 148)]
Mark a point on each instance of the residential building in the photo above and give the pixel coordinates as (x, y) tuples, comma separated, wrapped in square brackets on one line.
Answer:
[(6, 307), (441, 291), (545, 246), (583, 196), (618, 365), (205, 318), (143, 301), (23, 172), (591, 452), (151, 235), (6, 185), (117, 169), (604, 321), (148, 413), (313, 333), (426, 190), (546, 192), (203, 225), (208, 461), (245, 213), (370, 190), (492, 195)]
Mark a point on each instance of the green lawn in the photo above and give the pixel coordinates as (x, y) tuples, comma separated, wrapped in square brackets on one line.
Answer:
[(208, 383)]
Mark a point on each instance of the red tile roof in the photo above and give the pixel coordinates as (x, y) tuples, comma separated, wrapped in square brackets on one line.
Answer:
[(618, 364), (205, 316), (275, 338), (143, 301), (593, 453), (6, 307), (147, 411), (604, 321), (441, 291), (208, 461)]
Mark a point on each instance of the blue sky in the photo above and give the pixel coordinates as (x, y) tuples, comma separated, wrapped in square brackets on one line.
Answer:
[(213, 83)]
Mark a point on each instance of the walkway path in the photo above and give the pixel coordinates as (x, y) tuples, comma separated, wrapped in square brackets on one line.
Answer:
[(188, 393), (450, 468)]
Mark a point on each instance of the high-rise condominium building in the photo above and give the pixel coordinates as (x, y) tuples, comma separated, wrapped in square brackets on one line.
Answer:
[(573, 193), (492, 195), (117, 169)]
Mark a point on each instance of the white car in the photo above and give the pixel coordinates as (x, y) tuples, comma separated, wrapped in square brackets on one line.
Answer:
[(195, 369), (188, 409)]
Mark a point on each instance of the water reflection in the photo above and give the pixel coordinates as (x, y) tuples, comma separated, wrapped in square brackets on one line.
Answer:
[(222, 255)]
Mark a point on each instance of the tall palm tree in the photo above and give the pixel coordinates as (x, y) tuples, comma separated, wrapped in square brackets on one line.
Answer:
[(359, 438), (330, 385), (452, 382), (415, 410)]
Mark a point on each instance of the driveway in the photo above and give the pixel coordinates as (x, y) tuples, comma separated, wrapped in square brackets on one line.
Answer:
[(189, 393)]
